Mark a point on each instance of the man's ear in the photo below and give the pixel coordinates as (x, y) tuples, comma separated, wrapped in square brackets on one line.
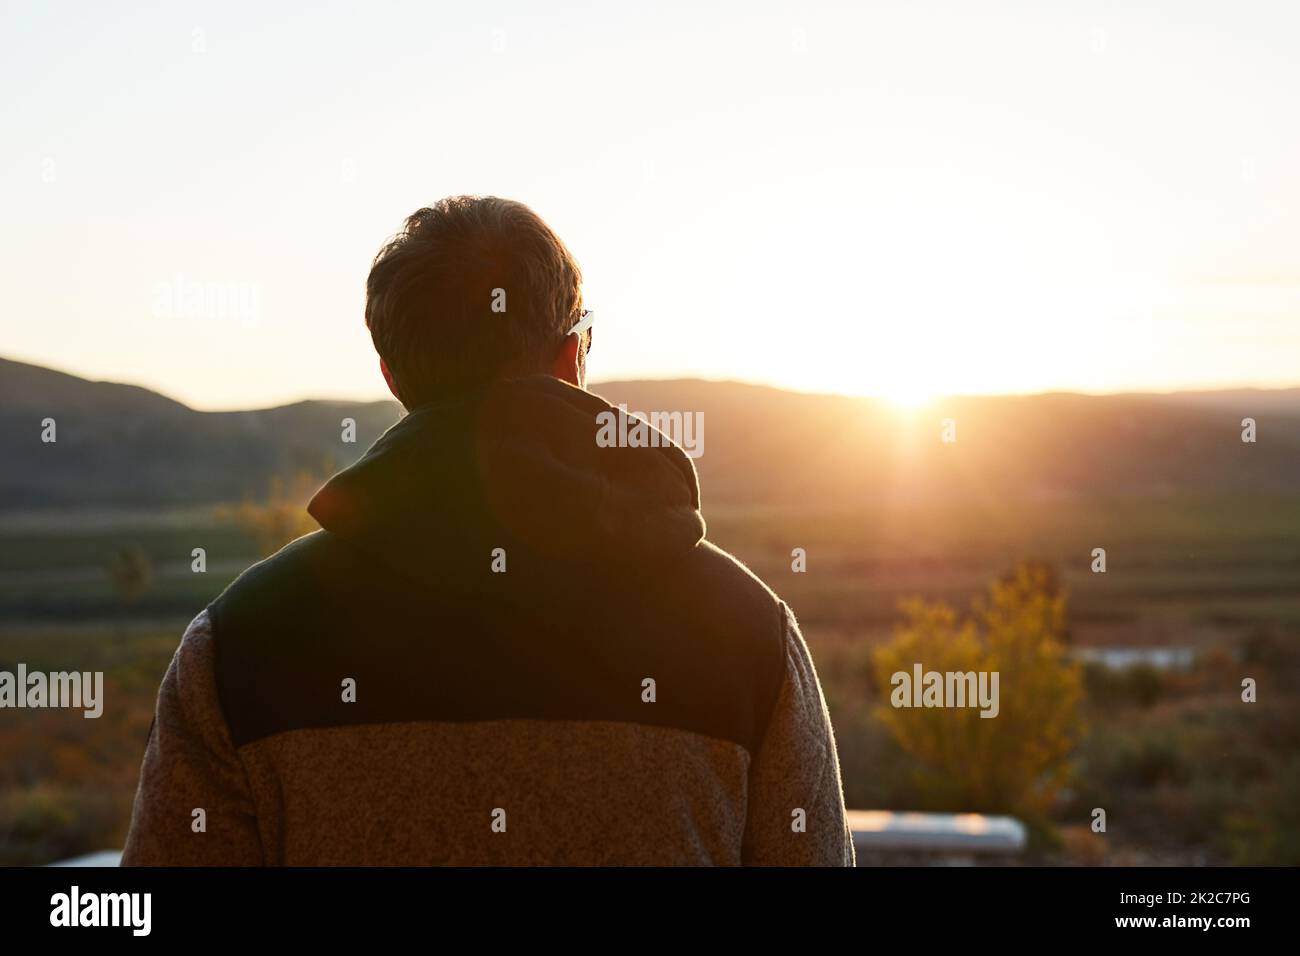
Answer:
[(570, 361), (388, 377)]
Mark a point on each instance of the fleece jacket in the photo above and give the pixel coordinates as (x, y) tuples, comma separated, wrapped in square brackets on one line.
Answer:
[(507, 645)]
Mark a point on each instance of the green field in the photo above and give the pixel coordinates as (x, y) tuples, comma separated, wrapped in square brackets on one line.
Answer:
[(1188, 773)]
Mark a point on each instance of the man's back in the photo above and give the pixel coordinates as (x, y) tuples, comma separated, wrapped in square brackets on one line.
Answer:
[(509, 645)]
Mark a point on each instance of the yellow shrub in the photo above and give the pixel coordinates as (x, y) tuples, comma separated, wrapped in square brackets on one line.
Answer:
[(1017, 761)]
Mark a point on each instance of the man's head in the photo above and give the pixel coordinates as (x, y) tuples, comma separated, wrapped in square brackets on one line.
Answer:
[(474, 288)]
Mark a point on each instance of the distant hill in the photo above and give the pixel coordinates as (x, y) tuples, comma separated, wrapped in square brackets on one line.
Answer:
[(124, 445), (787, 449), (121, 445)]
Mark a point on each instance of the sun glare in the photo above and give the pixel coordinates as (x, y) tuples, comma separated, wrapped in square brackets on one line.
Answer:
[(908, 398)]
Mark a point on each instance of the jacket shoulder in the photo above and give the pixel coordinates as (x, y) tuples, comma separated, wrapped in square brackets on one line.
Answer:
[(297, 571)]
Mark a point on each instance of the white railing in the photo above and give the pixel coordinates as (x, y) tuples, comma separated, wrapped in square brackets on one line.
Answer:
[(102, 858), (945, 838)]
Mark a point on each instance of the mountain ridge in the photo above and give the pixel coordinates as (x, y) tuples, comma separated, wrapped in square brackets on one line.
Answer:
[(124, 445)]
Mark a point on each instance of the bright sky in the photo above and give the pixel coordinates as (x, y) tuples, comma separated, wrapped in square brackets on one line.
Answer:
[(863, 198)]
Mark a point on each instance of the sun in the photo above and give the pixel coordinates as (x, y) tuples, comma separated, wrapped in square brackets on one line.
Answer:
[(908, 397), (905, 386)]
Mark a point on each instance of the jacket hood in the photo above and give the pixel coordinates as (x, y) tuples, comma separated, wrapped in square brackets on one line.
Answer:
[(516, 465)]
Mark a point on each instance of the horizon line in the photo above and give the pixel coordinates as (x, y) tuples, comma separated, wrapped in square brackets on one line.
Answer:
[(863, 396)]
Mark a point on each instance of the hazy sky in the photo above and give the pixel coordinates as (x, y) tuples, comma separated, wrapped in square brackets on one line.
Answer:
[(865, 198)]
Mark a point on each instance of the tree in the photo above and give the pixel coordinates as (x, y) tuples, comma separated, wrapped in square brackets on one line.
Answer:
[(280, 517), (1015, 762)]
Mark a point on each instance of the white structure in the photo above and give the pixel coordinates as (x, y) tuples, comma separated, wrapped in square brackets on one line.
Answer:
[(948, 837), (102, 858), (951, 838)]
